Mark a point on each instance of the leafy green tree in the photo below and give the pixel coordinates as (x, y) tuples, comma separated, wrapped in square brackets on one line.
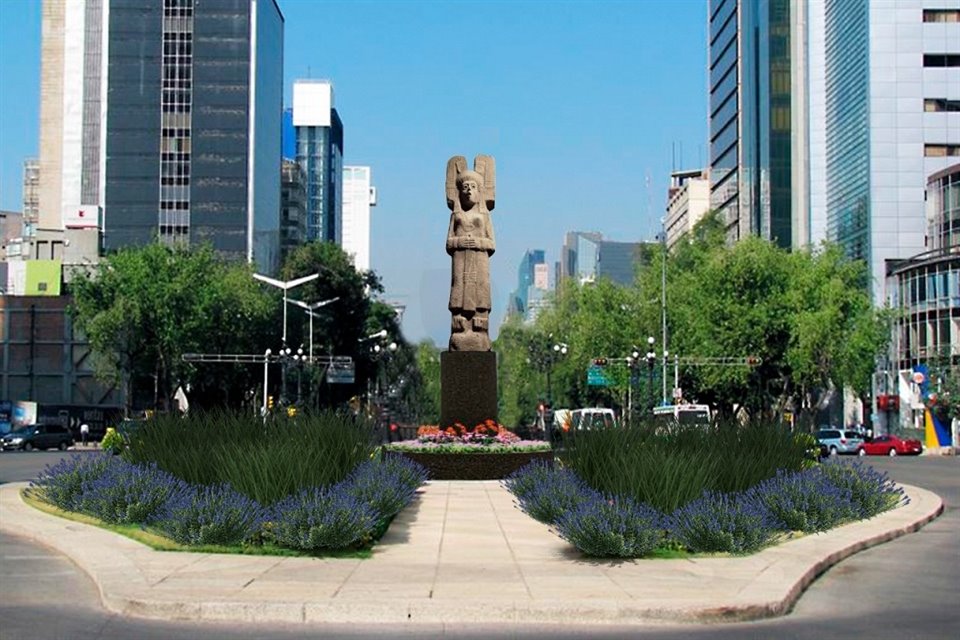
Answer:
[(342, 327), (427, 384), (142, 308)]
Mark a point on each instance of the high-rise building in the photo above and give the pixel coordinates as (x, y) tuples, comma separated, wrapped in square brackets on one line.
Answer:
[(892, 118), (319, 135), (527, 279), (587, 257), (31, 196), (750, 86), (161, 119), (688, 199), (293, 207), (358, 197)]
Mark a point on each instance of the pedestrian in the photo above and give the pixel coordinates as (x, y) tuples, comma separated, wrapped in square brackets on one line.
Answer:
[(84, 433)]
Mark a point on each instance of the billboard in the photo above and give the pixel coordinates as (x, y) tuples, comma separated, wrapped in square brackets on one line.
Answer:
[(78, 217), (42, 278)]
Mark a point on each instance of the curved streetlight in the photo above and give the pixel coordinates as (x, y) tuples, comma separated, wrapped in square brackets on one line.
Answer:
[(286, 285), (311, 308)]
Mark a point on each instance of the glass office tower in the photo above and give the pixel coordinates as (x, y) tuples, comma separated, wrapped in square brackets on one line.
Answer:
[(750, 117), (169, 124), (892, 120), (319, 134)]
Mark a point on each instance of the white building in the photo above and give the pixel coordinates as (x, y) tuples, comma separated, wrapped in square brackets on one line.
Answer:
[(358, 197), (886, 118), (687, 201)]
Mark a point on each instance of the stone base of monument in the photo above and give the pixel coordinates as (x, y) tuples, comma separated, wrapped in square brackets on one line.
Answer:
[(474, 466), (468, 388)]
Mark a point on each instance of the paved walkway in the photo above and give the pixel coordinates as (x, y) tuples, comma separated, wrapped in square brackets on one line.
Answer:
[(461, 552)]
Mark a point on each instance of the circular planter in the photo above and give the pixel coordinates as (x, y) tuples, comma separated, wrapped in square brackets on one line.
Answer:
[(473, 466)]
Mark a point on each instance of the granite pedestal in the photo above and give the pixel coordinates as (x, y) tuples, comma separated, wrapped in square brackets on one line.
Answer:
[(468, 388)]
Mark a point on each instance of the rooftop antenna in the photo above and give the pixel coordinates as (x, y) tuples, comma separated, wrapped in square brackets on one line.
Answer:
[(681, 154), (673, 156)]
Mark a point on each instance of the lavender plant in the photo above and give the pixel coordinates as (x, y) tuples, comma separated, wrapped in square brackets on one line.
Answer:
[(387, 486), (322, 519), (871, 492), (545, 495), (806, 501), (128, 493), (215, 514), (718, 522), (61, 484), (612, 528)]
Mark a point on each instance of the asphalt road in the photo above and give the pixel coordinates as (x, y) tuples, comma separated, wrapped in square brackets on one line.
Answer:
[(904, 589)]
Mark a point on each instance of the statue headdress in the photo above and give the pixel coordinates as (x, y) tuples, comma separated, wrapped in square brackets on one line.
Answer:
[(484, 168)]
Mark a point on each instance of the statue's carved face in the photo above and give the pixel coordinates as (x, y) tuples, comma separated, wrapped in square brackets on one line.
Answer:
[(469, 194)]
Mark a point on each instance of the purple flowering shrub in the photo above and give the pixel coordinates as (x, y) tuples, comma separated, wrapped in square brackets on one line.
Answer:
[(612, 528), (387, 486), (724, 522), (127, 493), (322, 518), (61, 484), (216, 514), (872, 492), (545, 493), (806, 501)]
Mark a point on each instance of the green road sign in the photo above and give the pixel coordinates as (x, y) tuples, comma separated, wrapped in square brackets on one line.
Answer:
[(597, 377)]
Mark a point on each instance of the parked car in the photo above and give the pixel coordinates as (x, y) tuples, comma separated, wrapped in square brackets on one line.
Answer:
[(38, 436), (593, 418), (892, 446), (841, 441)]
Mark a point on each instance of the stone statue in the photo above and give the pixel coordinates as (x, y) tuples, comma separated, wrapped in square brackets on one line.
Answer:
[(471, 196)]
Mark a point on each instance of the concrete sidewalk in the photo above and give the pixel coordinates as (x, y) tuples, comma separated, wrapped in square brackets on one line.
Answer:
[(460, 553)]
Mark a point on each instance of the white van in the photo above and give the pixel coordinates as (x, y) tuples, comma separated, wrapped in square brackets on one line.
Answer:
[(683, 413), (593, 418)]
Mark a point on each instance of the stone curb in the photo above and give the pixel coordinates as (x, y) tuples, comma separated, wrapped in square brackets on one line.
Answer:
[(120, 569)]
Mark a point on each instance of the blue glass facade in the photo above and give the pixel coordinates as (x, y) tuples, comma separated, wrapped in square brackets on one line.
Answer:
[(750, 128), (525, 279), (320, 153), (848, 133)]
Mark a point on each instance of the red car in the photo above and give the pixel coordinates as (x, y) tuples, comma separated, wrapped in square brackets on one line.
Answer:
[(892, 446)]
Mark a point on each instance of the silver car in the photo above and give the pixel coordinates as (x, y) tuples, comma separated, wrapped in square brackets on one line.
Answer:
[(841, 441)]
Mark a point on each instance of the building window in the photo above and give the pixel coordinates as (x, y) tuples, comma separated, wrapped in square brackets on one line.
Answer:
[(941, 15), (941, 59), (941, 104), (941, 150)]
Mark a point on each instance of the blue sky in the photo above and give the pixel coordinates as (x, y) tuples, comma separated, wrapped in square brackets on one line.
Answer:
[(581, 104)]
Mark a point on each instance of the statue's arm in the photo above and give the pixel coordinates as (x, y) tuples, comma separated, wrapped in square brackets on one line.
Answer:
[(452, 242), (487, 243)]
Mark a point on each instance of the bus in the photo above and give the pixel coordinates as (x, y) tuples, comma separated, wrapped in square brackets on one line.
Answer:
[(683, 413)]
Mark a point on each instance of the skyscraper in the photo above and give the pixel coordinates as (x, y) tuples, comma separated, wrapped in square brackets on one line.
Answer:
[(319, 135), (161, 119), (892, 119), (358, 197), (526, 280), (750, 71)]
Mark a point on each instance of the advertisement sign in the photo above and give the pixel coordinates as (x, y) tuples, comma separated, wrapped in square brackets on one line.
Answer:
[(79, 217), (24, 413)]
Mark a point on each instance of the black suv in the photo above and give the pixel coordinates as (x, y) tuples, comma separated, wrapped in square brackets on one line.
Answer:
[(38, 436)]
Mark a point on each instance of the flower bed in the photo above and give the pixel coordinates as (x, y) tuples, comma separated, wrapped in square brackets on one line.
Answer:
[(488, 452), (350, 514), (606, 525)]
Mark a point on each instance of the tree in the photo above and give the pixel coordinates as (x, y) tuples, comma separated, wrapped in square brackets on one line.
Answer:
[(143, 308), (341, 325)]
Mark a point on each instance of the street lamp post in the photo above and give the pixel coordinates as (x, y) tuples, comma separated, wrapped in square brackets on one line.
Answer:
[(651, 360), (559, 349), (266, 362), (299, 359), (286, 285), (310, 309)]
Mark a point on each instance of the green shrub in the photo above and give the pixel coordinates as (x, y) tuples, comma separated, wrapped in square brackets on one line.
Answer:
[(668, 467), (263, 461)]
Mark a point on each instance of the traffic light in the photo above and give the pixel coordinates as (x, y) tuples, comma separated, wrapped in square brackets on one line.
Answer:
[(269, 402), (600, 362), (753, 360), (291, 412)]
